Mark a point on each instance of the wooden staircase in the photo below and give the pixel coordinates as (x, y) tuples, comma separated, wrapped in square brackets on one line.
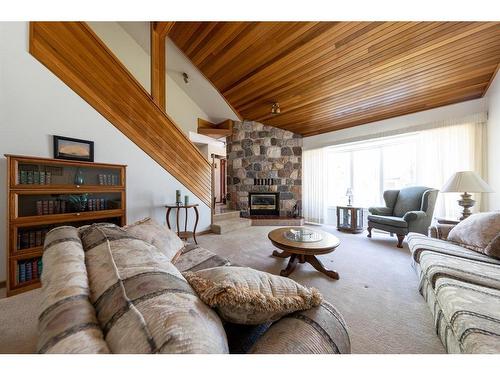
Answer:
[(228, 221), (74, 53)]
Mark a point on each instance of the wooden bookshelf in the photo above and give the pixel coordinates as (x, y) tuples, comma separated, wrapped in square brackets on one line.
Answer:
[(41, 195)]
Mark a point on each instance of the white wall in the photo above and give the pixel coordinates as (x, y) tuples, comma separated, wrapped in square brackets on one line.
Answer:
[(183, 110), (493, 98), (135, 59), (380, 127), (35, 104)]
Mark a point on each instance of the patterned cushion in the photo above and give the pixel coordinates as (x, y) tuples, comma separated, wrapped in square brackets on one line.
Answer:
[(419, 243), (243, 295), (472, 313), (320, 330), (477, 232), (435, 265), (157, 235), (194, 258), (139, 294), (67, 321)]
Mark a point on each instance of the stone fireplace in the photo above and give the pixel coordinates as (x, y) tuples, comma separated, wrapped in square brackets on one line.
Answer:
[(264, 159)]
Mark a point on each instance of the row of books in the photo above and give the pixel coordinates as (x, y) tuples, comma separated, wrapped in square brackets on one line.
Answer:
[(28, 270), (97, 204), (108, 179), (31, 238), (34, 177), (51, 206)]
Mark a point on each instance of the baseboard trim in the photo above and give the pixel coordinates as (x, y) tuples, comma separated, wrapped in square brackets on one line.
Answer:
[(3, 284), (204, 232)]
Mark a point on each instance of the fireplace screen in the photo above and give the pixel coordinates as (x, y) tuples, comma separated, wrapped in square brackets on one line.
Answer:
[(264, 203)]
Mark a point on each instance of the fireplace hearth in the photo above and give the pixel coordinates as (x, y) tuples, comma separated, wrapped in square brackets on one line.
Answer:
[(267, 204)]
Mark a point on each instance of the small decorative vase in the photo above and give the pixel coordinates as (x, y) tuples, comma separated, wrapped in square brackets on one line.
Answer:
[(79, 179), (79, 202), (178, 197), (186, 200)]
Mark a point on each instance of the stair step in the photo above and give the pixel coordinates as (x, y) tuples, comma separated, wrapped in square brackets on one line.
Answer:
[(229, 225), (227, 215)]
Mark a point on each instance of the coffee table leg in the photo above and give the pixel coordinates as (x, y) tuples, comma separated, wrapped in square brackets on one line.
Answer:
[(291, 265), (316, 263), (283, 254)]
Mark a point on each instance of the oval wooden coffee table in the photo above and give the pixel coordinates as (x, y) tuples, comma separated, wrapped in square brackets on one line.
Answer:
[(301, 252)]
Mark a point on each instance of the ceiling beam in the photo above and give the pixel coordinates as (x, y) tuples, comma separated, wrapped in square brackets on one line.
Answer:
[(163, 28)]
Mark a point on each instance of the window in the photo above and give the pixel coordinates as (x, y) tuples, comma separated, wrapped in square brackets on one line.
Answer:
[(426, 157), (369, 168)]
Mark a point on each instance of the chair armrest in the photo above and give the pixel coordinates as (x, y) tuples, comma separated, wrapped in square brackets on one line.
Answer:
[(414, 215), (382, 211)]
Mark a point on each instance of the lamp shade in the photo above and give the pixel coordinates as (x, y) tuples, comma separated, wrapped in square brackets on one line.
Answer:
[(467, 181)]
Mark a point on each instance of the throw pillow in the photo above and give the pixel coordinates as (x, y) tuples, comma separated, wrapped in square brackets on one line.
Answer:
[(493, 248), (143, 303), (157, 235), (243, 295), (478, 232)]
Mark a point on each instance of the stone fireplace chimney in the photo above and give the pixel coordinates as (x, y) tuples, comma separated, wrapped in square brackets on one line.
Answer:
[(263, 159)]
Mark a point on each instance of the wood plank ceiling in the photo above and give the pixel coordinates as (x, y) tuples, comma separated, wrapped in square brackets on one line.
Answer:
[(332, 75)]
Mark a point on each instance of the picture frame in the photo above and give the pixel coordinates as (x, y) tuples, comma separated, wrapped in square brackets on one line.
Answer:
[(73, 149)]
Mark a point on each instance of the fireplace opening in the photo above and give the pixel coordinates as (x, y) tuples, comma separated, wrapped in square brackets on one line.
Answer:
[(264, 203)]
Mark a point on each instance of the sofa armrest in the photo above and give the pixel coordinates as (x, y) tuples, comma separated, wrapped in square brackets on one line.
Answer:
[(414, 215), (440, 231), (320, 330), (382, 211)]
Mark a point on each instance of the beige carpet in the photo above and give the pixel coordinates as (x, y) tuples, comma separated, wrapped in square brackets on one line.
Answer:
[(18, 322), (377, 291)]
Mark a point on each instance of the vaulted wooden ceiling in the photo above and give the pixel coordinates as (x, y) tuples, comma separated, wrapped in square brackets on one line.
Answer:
[(333, 75)]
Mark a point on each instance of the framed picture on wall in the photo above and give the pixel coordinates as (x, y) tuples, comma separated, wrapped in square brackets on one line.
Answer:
[(73, 149)]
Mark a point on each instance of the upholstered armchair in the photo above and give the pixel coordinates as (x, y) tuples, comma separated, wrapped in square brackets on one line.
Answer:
[(406, 210)]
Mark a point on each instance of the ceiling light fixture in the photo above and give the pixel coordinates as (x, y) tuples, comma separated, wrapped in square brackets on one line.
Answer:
[(186, 78), (275, 109)]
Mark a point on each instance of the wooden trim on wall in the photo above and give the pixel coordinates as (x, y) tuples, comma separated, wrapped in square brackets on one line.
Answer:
[(73, 52), (158, 65)]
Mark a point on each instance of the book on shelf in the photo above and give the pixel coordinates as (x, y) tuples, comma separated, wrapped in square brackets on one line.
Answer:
[(28, 270), (23, 177), (22, 272)]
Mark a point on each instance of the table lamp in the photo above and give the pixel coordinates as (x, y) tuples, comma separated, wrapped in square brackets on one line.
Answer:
[(466, 182), (349, 196)]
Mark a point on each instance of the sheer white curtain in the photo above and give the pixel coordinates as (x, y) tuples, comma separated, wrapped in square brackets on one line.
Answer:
[(447, 149), (313, 185), (442, 149)]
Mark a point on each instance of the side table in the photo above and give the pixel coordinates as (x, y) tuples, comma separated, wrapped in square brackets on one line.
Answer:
[(350, 219), (184, 234)]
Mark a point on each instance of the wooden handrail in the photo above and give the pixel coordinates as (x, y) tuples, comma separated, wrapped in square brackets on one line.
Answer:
[(74, 53)]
